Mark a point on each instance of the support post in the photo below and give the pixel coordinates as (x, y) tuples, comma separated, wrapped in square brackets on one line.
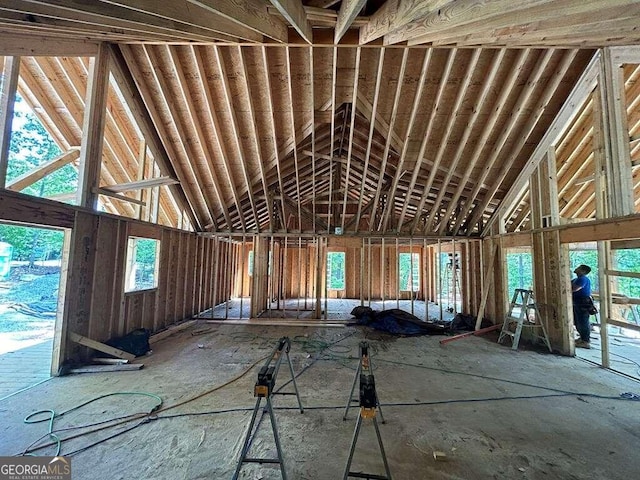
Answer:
[(93, 129), (616, 137), (7, 102)]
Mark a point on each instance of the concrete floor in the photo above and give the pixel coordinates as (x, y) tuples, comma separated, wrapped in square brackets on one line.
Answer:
[(494, 412)]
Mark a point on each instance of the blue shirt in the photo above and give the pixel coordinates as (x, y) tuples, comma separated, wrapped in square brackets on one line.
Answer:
[(584, 283)]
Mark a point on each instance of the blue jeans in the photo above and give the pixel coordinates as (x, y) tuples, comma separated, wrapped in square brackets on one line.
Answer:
[(581, 321)]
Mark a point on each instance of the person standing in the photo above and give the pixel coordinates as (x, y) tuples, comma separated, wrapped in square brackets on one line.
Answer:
[(581, 294)]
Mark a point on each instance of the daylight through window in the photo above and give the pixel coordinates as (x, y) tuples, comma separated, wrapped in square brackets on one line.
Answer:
[(409, 262), (335, 270), (142, 264)]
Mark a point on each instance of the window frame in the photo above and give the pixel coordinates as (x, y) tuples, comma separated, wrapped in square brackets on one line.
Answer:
[(130, 261)]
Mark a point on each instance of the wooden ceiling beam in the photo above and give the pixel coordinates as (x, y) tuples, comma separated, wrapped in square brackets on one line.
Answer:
[(527, 130), (42, 104), (334, 81), (141, 184), (405, 143), (272, 129), (356, 77), (12, 23), (253, 124), (311, 100), (68, 79), (366, 108), (489, 127), (427, 136), (41, 171), (487, 87), (389, 132), (322, 3), (117, 196), (461, 95), (294, 12), (292, 118), (608, 24), (239, 147), (98, 16), (349, 10), (374, 113), (305, 212), (467, 16), (140, 101), (571, 108), (394, 14), (176, 13), (252, 14), (198, 57), (15, 44)]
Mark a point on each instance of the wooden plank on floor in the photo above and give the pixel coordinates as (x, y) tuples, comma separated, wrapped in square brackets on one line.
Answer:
[(107, 368), (171, 330), (101, 347)]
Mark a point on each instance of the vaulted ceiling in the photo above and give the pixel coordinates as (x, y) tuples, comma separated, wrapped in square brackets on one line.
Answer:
[(266, 132)]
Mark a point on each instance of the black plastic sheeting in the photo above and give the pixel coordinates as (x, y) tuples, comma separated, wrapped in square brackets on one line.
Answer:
[(399, 322)]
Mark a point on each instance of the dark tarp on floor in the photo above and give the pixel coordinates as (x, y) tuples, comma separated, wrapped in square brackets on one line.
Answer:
[(399, 322)]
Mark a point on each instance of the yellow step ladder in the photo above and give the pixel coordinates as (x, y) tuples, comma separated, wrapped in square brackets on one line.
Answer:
[(529, 318)]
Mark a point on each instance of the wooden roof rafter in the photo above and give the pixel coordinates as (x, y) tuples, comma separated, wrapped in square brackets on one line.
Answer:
[(389, 131), (293, 130), (426, 61), (351, 131), (239, 147), (537, 110), (147, 111), (525, 97), (425, 139), (498, 58), (372, 124), (176, 197), (257, 145), (272, 129), (462, 91)]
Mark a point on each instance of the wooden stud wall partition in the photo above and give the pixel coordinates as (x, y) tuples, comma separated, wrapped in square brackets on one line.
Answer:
[(96, 305), (101, 309)]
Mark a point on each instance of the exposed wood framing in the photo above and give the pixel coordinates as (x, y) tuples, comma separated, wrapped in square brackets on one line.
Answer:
[(7, 99), (147, 121), (93, 129), (41, 171), (117, 196), (578, 95), (496, 62), (294, 12), (616, 137), (16, 44), (349, 9), (430, 125), (385, 155), (141, 184), (390, 206), (251, 14), (462, 92), (527, 130)]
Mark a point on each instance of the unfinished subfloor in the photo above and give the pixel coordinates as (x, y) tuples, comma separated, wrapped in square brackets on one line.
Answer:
[(494, 412)]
